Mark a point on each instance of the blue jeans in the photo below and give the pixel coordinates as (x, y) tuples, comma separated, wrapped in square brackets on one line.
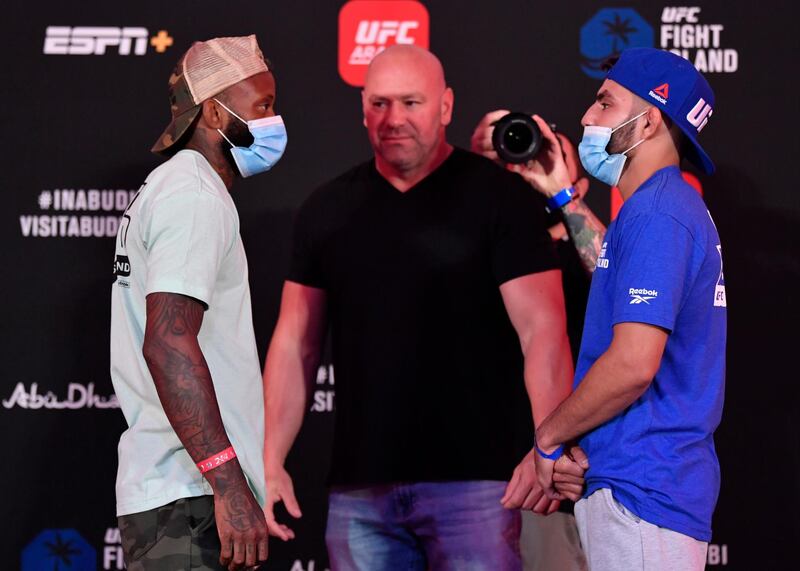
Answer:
[(418, 526)]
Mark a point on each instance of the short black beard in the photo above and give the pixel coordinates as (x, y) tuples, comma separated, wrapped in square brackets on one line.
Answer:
[(238, 134), (621, 140)]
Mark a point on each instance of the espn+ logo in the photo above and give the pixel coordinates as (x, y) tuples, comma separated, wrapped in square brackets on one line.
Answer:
[(367, 27), (96, 40)]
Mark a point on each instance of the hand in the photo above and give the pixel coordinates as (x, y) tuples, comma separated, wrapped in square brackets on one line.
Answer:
[(240, 524), (280, 488), (481, 142), (581, 187), (524, 491), (544, 472), (547, 172), (568, 473)]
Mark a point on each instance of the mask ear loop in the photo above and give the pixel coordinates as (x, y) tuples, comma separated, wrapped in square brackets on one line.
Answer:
[(625, 123), (232, 113), (633, 147), (229, 111), (618, 126), (226, 138)]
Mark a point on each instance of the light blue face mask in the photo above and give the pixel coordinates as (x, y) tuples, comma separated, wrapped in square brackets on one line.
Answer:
[(269, 142), (594, 157)]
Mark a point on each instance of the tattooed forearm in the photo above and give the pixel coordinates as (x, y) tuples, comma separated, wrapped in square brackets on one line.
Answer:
[(585, 230), (181, 374), (186, 392), (239, 502)]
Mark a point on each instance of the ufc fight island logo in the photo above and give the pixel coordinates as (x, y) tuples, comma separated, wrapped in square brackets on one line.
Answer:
[(685, 32), (367, 27), (97, 40)]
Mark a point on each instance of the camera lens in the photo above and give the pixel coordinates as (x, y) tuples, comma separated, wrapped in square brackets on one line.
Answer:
[(516, 138)]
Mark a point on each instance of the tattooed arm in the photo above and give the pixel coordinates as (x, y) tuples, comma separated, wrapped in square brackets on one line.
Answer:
[(553, 169), (184, 386), (585, 230)]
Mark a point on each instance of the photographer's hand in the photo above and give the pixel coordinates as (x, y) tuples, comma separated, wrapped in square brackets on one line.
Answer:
[(481, 142), (546, 172)]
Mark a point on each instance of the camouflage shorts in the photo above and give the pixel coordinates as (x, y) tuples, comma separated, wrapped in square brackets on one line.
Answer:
[(177, 536)]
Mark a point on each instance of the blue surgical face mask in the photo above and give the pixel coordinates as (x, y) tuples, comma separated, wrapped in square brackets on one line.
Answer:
[(594, 157), (269, 142)]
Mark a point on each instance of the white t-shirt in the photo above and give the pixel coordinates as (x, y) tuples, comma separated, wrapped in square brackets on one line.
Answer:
[(180, 234)]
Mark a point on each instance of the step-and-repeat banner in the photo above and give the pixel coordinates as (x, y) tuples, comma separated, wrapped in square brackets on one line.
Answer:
[(85, 95)]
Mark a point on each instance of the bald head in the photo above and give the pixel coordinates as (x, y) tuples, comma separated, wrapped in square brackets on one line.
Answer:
[(406, 67), (407, 106)]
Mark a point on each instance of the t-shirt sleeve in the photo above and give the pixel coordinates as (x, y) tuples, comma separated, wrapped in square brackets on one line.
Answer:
[(187, 236), (305, 267), (521, 244), (654, 270)]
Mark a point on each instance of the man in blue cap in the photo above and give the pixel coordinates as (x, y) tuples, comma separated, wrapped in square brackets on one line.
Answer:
[(649, 381)]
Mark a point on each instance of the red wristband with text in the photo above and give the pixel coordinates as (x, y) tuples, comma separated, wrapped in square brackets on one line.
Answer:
[(216, 460)]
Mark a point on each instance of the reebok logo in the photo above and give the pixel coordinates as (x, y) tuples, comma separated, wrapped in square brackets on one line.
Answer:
[(367, 27), (660, 93), (642, 295)]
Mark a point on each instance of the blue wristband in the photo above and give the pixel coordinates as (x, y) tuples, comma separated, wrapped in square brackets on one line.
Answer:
[(554, 455), (561, 198)]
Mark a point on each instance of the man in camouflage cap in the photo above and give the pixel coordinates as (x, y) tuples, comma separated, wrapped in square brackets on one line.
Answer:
[(190, 485)]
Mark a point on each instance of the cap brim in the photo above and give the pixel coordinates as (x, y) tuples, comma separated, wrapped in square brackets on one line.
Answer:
[(175, 130), (696, 155)]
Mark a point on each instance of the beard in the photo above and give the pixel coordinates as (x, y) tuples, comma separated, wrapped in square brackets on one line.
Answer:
[(402, 157), (622, 140), (238, 134), (405, 154)]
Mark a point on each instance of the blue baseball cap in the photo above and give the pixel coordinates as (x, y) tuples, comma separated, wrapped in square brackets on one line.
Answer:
[(673, 85)]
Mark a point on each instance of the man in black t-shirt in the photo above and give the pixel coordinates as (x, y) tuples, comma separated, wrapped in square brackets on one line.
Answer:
[(553, 542), (437, 275)]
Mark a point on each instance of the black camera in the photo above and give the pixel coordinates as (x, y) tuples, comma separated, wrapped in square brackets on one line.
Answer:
[(516, 138)]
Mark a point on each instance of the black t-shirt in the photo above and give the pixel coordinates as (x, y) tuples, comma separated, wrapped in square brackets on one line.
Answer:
[(429, 370), (576, 282)]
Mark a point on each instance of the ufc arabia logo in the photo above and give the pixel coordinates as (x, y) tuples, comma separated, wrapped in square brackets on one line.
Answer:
[(367, 27), (372, 37)]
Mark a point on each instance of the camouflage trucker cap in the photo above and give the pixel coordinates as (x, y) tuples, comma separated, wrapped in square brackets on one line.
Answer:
[(206, 69)]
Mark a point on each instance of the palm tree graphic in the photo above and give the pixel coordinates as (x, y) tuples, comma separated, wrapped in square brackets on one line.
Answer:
[(61, 551), (619, 30)]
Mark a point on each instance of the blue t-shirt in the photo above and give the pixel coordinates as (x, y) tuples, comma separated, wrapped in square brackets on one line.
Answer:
[(661, 264)]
